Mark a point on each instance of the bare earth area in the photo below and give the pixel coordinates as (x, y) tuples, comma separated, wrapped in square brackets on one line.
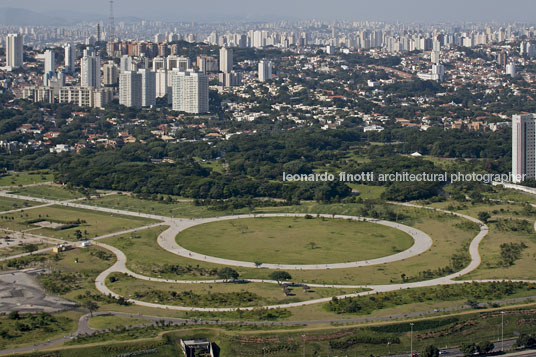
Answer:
[(19, 291)]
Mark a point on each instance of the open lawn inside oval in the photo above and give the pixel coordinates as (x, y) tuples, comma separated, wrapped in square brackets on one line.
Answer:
[(290, 240)]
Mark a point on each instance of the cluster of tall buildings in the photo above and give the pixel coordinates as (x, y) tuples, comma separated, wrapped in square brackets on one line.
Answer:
[(228, 77), (527, 49), (171, 76), (388, 39), (259, 39), (438, 70), (88, 94)]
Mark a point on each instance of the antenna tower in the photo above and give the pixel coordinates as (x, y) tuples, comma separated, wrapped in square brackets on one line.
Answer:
[(112, 22)]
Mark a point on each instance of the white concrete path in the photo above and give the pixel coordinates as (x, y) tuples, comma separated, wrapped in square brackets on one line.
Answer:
[(167, 240)]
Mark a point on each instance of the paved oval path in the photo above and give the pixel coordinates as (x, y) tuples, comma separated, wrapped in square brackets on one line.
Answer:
[(167, 240)]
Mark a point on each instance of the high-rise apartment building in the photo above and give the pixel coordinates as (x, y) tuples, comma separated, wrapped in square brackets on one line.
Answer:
[(69, 58), (265, 70), (14, 50), (190, 92), (148, 87), (50, 61), (110, 74), (125, 64), (161, 84), (130, 91), (159, 63), (230, 79), (226, 60), (180, 63), (523, 147), (207, 64), (90, 70)]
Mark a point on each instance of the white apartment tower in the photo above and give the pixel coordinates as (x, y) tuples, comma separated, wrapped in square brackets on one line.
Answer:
[(511, 70), (69, 58), (90, 70), (50, 61), (110, 74), (190, 92), (226, 60), (161, 84), (159, 63), (130, 89), (265, 71), (523, 147), (181, 63), (148, 87), (14, 50)]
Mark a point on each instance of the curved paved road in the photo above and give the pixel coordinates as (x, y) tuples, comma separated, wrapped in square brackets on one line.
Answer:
[(120, 266), (167, 240), (179, 224), (168, 237)]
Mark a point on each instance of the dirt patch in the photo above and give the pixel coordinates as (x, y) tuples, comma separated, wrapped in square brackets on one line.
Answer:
[(20, 292), (48, 224)]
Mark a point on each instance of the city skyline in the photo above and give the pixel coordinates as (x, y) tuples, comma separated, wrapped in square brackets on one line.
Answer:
[(242, 11)]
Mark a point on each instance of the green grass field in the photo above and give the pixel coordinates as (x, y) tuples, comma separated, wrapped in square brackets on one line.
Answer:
[(368, 191), (19, 249), (501, 193), (448, 232), (8, 204), (215, 295), (185, 209), (35, 327), (117, 349), (96, 223), (324, 340), (111, 322), (490, 246), (25, 178), (285, 240), (491, 267), (52, 192)]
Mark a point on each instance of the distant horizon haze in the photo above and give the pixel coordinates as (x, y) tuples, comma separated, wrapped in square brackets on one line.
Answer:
[(420, 11)]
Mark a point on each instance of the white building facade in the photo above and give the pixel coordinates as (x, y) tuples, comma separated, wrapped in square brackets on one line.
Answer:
[(523, 147), (190, 92), (14, 50)]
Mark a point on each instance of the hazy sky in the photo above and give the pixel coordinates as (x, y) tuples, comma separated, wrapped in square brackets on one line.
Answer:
[(388, 10)]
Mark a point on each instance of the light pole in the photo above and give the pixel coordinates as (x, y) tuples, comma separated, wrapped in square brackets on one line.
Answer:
[(411, 337), (502, 331), (389, 347), (303, 336)]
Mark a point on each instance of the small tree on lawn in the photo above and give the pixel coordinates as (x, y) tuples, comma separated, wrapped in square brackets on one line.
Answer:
[(228, 274), (91, 306), (280, 276), (484, 216)]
